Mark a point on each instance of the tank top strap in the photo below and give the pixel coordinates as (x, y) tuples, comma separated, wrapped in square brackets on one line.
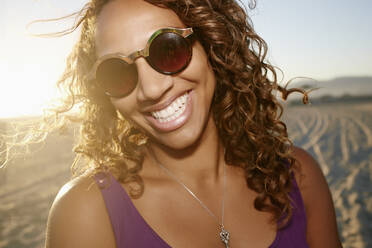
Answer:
[(129, 227), (293, 234)]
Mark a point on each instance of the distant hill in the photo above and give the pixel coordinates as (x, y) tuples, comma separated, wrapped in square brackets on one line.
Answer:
[(337, 87)]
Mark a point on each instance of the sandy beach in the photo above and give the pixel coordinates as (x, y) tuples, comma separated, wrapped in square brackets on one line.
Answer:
[(338, 135)]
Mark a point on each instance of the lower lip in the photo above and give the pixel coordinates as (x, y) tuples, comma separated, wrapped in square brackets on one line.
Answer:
[(176, 123)]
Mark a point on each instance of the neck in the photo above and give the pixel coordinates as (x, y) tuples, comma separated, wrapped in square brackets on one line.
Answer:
[(200, 164)]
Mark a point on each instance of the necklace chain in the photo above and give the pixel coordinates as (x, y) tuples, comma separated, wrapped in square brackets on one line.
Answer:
[(224, 234), (196, 198)]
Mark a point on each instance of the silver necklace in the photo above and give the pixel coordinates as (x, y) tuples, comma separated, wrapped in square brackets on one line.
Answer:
[(224, 234)]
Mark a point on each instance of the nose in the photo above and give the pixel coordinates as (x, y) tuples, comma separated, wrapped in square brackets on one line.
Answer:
[(152, 85)]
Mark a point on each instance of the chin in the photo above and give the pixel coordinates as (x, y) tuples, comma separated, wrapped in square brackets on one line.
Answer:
[(185, 138), (180, 141)]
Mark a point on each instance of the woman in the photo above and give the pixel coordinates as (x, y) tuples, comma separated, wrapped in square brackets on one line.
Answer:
[(185, 145)]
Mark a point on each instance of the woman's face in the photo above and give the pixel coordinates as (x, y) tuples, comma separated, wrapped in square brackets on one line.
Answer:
[(125, 26)]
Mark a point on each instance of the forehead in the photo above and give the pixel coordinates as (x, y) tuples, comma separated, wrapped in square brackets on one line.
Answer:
[(126, 25)]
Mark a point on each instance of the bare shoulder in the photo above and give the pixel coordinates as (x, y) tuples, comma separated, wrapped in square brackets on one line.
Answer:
[(320, 213), (78, 217), (306, 169)]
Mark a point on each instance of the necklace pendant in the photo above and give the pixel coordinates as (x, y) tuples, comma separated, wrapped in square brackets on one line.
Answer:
[(225, 236)]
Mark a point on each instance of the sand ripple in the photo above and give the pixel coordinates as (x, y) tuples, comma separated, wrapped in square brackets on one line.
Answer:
[(339, 136)]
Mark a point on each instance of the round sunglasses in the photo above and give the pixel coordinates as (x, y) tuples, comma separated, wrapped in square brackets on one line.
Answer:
[(168, 51)]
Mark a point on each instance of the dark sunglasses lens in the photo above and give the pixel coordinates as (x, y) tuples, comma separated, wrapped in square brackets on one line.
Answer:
[(117, 77), (169, 53)]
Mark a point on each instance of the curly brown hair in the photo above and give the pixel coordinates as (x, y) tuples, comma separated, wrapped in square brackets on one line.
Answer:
[(246, 111)]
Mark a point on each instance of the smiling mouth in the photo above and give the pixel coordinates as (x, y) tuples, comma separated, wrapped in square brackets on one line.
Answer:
[(174, 110)]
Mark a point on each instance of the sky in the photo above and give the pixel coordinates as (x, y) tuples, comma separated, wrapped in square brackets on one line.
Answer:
[(321, 39)]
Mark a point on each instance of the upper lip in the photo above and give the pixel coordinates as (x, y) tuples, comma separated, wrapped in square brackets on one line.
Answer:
[(164, 104)]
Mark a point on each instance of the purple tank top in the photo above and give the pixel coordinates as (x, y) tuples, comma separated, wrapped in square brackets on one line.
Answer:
[(131, 230)]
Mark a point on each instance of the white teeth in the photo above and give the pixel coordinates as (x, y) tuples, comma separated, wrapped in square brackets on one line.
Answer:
[(173, 110)]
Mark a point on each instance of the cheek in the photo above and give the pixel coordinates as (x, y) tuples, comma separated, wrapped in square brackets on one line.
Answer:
[(125, 106), (199, 61), (199, 69), (205, 71)]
